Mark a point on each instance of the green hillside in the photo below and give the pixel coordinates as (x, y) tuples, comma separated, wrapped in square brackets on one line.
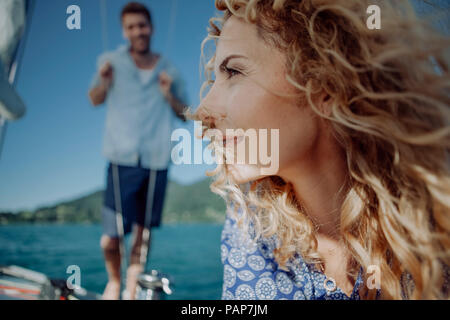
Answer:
[(183, 204)]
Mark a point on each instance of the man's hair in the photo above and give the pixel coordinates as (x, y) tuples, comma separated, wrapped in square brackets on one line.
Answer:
[(136, 7)]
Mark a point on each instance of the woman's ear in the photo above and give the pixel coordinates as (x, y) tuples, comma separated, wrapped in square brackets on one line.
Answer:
[(325, 103)]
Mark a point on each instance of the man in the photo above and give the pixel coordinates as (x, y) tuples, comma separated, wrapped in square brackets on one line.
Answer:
[(144, 94)]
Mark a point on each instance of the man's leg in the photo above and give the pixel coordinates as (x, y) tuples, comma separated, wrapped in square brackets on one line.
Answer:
[(150, 207), (136, 267), (111, 253), (110, 241)]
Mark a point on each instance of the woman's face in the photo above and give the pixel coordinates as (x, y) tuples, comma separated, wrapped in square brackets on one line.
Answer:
[(248, 73)]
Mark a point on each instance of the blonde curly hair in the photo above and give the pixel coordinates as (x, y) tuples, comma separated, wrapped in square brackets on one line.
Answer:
[(390, 114)]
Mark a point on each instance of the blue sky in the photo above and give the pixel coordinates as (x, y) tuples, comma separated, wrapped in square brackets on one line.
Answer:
[(54, 153)]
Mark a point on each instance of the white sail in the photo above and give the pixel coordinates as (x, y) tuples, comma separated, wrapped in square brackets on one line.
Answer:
[(12, 24)]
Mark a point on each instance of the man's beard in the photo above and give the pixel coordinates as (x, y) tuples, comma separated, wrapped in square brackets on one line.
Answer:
[(141, 49)]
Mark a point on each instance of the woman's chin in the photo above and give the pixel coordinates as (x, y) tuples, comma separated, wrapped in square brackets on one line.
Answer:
[(245, 173)]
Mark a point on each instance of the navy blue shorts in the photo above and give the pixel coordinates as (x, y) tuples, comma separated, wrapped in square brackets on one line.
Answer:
[(134, 191)]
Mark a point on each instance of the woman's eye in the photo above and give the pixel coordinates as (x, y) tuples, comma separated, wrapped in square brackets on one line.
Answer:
[(230, 72)]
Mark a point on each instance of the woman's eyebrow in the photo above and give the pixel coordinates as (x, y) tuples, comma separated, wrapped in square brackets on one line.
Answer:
[(230, 57)]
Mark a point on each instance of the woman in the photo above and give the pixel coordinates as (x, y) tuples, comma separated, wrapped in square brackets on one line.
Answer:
[(359, 205)]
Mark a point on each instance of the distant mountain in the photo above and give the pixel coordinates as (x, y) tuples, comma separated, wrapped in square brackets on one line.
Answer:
[(183, 204)]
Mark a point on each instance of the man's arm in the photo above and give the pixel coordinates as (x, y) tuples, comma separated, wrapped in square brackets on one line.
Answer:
[(176, 105), (99, 93), (165, 82)]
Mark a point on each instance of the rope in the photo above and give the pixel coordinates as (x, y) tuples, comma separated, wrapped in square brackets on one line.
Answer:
[(172, 24), (119, 220), (148, 219), (115, 168), (104, 23)]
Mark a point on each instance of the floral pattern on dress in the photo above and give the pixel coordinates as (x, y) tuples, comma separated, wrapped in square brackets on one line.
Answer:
[(251, 272), (245, 292)]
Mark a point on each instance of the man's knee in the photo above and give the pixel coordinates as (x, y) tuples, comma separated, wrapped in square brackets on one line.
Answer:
[(109, 244)]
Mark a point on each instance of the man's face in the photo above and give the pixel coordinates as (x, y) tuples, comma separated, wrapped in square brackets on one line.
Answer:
[(137, 29)]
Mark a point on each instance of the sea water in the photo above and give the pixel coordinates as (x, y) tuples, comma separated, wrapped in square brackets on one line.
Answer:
[(189, 254)]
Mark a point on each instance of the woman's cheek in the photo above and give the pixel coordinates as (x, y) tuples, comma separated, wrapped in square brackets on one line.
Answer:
[(242, 111), (297, 139), (257, 110)]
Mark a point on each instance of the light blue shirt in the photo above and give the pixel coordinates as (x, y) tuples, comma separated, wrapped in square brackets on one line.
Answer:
[(139, 120)]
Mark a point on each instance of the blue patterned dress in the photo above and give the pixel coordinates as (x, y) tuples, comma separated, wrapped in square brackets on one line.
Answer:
[(251, 272)]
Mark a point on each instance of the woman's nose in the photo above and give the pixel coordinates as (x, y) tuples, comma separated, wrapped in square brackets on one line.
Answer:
[(211, 110), (205, 116)]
